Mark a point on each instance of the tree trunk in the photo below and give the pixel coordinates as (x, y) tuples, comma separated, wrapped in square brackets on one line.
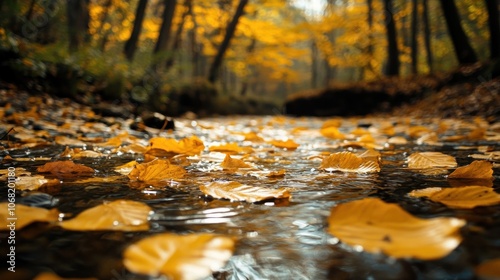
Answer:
[(78, 20), (131, 44), (178, 34), (29, 13), (314, 65), (231, 27), (414, 42), (104, 19), (494, 26), (166, 26), (392, 67), (463, 50), (427, 35)]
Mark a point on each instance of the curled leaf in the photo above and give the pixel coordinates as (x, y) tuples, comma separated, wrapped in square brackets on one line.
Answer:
[(233, 163), (349, 162), (156, 170), (462, 197), (430, 160), (236, 191), (380, 227), (186, 257), (19, 216), (478, 169)]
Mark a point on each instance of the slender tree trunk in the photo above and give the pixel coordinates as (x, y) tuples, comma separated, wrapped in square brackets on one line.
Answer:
[(214, 68), (29, 13), (244, 84), (427, 35), (369, 3), (314, 65), (194, 45), (103, 20), (178, 33), (393, 64), (166, 26), (463, 50), (131, 44), (78, 19), (494, 26), (414, 42)]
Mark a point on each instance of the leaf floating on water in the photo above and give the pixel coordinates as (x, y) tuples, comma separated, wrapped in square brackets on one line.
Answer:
[(159, 146), (236, 191), (426, 160), (381, 227), (288, 144), (64, 140), (34, 182), (233, 163), (489, 270), (123, 215), (478, 169), (349, 162), (53, 276), (156, 170), (463, 197), (231, 148), (65, 169), (126, 168), (332, 133), (25, 215), (186, 257)]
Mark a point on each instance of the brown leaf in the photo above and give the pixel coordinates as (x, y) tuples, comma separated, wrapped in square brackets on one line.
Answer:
[(463, 197), (380, 227), (65, 169), (489, 270), (186, 257), (349, 162), (236, 191), (123, 215), (156, 170), (20, 215), (478, 169), (425, 160)]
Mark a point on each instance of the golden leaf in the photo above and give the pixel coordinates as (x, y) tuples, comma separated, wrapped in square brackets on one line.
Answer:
[(64, 140), (65, 169), (79, 153), (53, 276), (159, 146), (380, 227), (478, 169), (186, 257), (253, 137), (233, 163), (489, 270), (332, 133), (156, 170), (123, 215), (288, 144), (25, 215), (462, 197), (231, 148), (34, 182), (236, 191), (425, 160), (349, 162), (126, 168), (398, 140), (332, 123)]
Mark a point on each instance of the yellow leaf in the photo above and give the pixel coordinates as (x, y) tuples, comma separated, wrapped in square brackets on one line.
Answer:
[(186, 257), (126, 168), (159, 146), (489, 270), (425, 160), (233, 163), (253, 137), (65, 169), (288, 144), (64, 140), (123, 215), (231, 148), (156, 170), (25, 215), (236, 191), (462, 197), (349, 162), (53, 276), (34, 182), (332, 123), (478, 169), (332, 133), (380, 227)]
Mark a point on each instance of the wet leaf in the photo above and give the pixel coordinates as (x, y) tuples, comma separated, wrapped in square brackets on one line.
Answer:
[(156, 170), (231, 148), (53, 276), (489, 270), (159, 146), (79, 153), (186, 257), (66, 141), (462, 197), (425, 160), (478, 169), (233, 163), (332, 133), (34, 182), (380, 227), (288, 144), (65, 169), (126, 168), (236, 191), (123, 215), (25, 215), (253, 137), (349, 162)]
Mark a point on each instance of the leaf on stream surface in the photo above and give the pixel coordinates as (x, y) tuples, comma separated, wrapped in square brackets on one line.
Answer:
[(349, 162), (230, 163), (380, 227), (65, 169), (231, 148), (25, 215), (288, 144), (156, 170), (478, 169), (332, 133), (159, 146), (489, 270), (186, 257), (425, 160), (236, 191), (123, 215), (462, 197)]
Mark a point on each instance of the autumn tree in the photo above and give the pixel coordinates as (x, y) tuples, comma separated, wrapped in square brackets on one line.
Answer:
[(78, 23), (494, 27), (392, 67), (463, 49), (166, 26), (131, 44)]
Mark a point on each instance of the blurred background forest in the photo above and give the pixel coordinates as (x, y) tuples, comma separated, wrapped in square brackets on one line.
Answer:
[(190, 55)]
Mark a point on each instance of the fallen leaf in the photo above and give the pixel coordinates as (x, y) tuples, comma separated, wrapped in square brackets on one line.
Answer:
[(332, 133), (380, 227), (253, 137), (156, 170), (489, 270), (231, 148), (65, 169), (126, 168), (397, 140), (478, 169), (288, 144), (425, 160), (159, 146), (79, 153), (53, 276), (233, 163), (66, 141), (123, 215), (462, 197), (236, 191), (34, 182), (349, 162), (186, 257), (22, 215)]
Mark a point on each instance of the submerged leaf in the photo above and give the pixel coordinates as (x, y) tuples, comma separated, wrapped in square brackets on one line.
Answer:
[(156, 170), (65, 169), (462, 197), (349, 162), (22, 215), (124, 215), (236, 191), (378, 226), (478, 169), (185, 257), (425, 160)]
